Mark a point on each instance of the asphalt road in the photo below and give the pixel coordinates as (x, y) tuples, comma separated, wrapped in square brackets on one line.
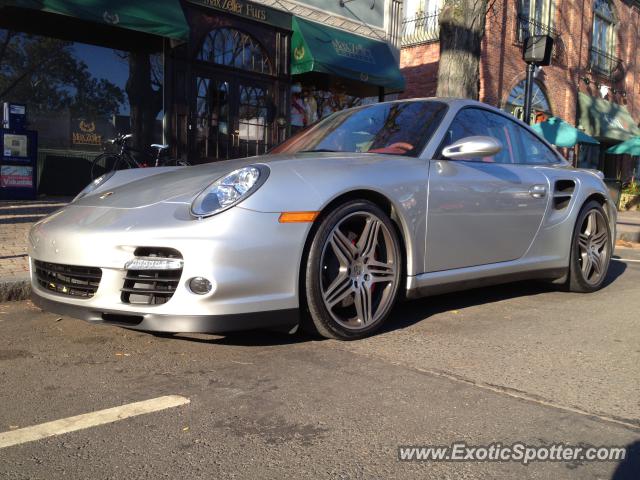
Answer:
[(515, 363)]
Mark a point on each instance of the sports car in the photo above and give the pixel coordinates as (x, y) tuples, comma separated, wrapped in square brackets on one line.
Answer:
[(380, 202)]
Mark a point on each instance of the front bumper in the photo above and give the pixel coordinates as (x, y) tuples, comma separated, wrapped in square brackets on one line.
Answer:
[(153, 322), (252, 260)]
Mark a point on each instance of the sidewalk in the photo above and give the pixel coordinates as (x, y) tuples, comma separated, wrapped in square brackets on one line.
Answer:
[(16, 217), (628, 226)]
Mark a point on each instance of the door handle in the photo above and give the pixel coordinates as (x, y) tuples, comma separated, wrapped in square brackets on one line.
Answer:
[(538, 191)]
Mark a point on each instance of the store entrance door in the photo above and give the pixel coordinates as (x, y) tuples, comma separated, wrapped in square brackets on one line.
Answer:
[(231, 117)]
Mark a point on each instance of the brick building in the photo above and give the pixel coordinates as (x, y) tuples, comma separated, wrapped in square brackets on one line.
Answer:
[(593, 79)]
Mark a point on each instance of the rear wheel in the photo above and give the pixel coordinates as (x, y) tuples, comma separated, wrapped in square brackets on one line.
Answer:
[(353, 272), (590, 250)]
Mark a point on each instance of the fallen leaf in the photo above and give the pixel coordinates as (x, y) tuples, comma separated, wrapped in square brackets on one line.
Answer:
[(455, 312), (58, 319), (185, 429), (13, 427)]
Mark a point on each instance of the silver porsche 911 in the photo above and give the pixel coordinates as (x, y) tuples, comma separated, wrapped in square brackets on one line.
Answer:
[(398, 199)]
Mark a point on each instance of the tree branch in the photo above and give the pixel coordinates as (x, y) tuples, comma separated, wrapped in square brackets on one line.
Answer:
[(30, 71)]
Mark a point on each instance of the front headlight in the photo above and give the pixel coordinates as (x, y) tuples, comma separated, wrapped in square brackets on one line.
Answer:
[(229, 190), (95, 184)]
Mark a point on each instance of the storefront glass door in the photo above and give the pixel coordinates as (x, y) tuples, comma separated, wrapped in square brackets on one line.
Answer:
[(231, 118), (253, 122), (214, 135)]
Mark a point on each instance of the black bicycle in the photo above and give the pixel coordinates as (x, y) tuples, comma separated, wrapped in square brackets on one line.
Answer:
[(127, 157)]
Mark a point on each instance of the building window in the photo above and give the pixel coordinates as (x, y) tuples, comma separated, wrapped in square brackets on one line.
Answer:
[(233, 48), (535, 17), (77, 96), (603, 45), (420, 23), (540, 108)]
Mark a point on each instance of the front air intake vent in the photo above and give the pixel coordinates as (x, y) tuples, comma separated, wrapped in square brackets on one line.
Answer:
[(152, 286), (67, 280), (157, 252)]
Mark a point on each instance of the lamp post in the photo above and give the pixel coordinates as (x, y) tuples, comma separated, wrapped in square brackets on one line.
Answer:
[(536, 51), (528, 90)]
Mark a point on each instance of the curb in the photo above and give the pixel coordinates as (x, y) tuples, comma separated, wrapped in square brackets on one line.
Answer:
[(628, 235), (14, 289)]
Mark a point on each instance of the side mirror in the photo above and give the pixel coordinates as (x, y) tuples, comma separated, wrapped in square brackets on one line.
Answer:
[(469, 148)]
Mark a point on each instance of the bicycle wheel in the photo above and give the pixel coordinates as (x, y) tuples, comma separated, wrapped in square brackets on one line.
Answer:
[(107, 162)]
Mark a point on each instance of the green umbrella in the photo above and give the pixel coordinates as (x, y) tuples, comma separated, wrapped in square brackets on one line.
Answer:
[(630, 147), (559, 133)]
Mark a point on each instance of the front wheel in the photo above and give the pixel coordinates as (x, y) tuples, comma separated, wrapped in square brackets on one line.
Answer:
[(353, 272), (591, 249)]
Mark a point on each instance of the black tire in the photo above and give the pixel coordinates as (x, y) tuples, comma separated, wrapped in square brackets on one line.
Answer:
[(585, 247), (368, 288)]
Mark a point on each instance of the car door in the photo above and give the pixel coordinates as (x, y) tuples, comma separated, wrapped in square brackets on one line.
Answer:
[(487, 210)]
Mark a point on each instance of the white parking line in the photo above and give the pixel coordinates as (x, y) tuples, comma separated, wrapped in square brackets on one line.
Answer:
[(88, 420), (624, 260)]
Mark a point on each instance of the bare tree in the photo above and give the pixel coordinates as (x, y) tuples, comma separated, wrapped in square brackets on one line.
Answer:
[(461, 30)]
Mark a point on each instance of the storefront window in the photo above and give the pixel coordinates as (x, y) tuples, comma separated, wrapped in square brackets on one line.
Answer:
[(233, 48), (540, 108), (310, 104), (603, 38), (77, 96)]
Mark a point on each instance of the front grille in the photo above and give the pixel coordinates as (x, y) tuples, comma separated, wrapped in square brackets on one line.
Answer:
[(151, 287), (67, 279)]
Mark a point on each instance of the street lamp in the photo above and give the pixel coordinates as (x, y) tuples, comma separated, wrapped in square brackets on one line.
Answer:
[(536, 52)]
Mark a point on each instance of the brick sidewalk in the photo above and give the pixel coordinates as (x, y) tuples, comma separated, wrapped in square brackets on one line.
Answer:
[(16, 217)]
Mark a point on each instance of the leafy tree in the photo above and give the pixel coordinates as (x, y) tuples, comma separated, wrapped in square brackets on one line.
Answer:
[(44, 73), (461, 30)]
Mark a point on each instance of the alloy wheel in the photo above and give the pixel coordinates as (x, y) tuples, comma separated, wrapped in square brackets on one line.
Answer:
[(593, 247), (359, 270)]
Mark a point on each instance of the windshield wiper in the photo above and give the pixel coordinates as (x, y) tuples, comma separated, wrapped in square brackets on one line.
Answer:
[(318, 150)]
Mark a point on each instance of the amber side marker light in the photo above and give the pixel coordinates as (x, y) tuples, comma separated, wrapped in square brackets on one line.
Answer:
[(298, 217)]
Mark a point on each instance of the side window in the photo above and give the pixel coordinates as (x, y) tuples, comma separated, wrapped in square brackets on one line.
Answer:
[(474, 121), (534, 151)]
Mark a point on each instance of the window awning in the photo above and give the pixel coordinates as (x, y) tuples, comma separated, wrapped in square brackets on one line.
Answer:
[(605, 120), (559, 133), (165, 18), (317, 48)]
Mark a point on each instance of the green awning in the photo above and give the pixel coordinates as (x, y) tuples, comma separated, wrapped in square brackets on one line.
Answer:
[(163, 18), (559, 133), (605, 120), (630, 147), (317, 48)]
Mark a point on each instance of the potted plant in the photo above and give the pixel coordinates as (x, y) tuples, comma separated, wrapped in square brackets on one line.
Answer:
[(630, 196)]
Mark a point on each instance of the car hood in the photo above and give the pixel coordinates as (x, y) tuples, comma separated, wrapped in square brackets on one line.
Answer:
[(143, 187)]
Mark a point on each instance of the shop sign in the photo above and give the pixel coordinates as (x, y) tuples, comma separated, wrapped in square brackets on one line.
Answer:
[(249, 10), (16, 176), (353, 50), (86, 134)]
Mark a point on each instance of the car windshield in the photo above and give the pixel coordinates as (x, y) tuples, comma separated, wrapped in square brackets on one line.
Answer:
[(397, 128)]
